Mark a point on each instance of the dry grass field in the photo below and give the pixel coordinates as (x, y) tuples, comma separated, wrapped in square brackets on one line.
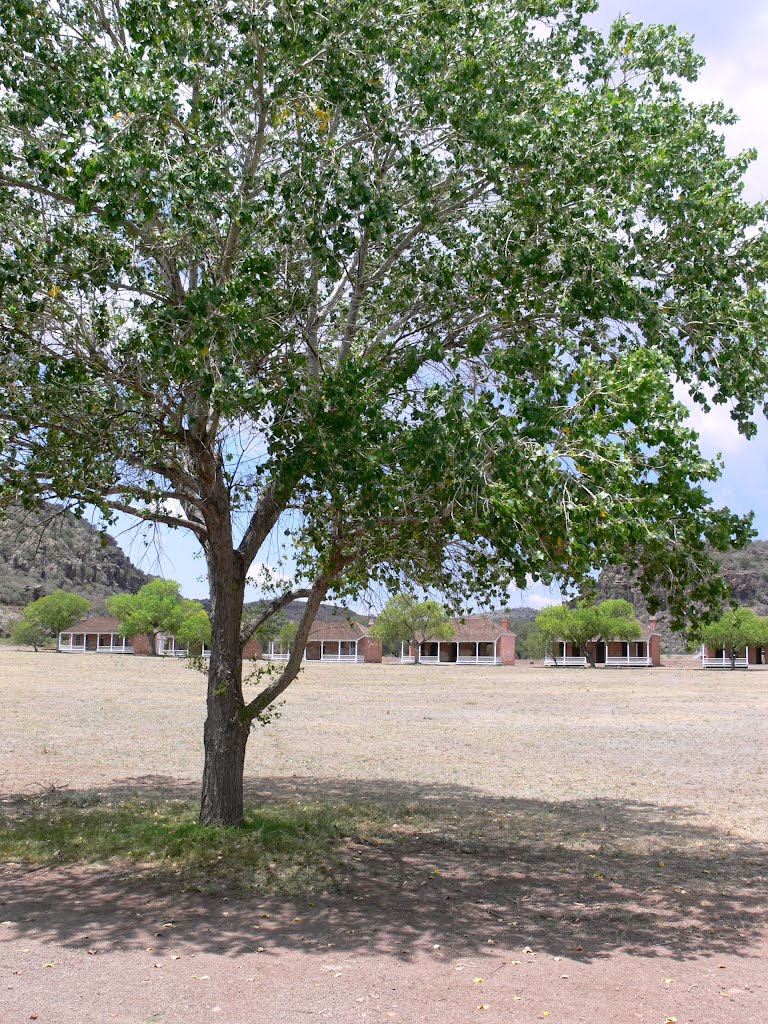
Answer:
[(558, 822), (690, 741)]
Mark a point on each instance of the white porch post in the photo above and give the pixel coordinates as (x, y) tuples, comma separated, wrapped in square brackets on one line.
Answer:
[(477, 652), (438, 652), (322, 650)]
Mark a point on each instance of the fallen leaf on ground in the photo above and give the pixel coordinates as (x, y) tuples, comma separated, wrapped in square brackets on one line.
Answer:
[(478, 981)]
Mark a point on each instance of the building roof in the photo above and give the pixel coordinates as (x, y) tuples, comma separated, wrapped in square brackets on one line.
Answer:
[(96, 624), (342, 629), (474, 629)]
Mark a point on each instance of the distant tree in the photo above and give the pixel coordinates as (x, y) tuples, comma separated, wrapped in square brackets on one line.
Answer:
[(585, 623), (157, 606), (266, 623), (527, 640), (49, 616), (287, 635), (735, 631), (195, 629), (404, 620), (30, 633)]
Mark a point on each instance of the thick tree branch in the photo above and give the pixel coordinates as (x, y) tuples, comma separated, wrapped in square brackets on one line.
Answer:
[(265, 516), (271, 693), (158, 517)]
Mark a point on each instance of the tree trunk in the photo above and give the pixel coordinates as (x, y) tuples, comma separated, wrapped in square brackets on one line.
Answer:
[(226, 727), (417, 653)]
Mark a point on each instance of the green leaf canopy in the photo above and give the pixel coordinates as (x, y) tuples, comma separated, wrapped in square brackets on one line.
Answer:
[(423, 272)]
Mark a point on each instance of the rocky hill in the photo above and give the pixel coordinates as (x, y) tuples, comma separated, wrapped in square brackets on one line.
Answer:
[(745, 571), (50, 549)]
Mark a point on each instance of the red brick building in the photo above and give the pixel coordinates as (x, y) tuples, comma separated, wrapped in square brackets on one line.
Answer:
[(642, 653), (340, 641), (477, 640), (100, 634)]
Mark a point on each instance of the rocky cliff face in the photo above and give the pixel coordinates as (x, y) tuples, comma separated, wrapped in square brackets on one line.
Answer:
[(49, 549), (745, 571)]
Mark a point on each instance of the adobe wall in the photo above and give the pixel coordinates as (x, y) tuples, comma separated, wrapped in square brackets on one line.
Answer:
[(371, 650), (140, 645), (252, 649), (654, 649), (506, 648)]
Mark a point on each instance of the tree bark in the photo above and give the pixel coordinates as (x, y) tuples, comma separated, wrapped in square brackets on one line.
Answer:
[(226, 726)]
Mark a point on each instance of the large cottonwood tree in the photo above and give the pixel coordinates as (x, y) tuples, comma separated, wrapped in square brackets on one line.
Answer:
[(409, 281)]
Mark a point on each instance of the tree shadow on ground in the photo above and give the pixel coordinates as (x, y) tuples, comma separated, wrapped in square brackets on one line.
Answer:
[(455, 869)]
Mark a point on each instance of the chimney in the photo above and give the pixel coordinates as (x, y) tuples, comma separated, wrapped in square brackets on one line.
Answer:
[(505, 625), (370, 621), (652, 623)]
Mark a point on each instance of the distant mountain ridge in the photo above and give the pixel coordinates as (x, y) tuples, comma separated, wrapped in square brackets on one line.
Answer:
[(325, 613), (49, 549)]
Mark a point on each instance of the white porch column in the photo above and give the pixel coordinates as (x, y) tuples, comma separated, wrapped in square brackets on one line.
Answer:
[(477, 652)]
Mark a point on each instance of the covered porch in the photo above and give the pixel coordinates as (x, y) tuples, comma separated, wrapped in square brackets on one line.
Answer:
[(94, 643), (318, 650), (563, 654), (449, 652), (632, 654), (721, 659)]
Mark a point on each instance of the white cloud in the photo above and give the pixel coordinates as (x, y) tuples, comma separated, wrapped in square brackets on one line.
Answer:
[(736, 73), (718, 433)]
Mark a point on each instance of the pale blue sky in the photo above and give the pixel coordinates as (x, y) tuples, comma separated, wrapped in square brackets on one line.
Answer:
[(734, 39)]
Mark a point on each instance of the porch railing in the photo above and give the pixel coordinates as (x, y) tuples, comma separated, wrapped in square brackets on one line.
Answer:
[(570, 661), (724, 663), (618, 661)]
